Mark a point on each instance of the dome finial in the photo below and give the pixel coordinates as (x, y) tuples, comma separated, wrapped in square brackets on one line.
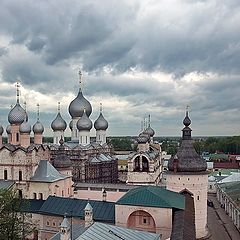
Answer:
[(149, 120), (25, 106), (80, 78), (59, 106), (11, 106), (17, 91), (101, 107), (38, 111)]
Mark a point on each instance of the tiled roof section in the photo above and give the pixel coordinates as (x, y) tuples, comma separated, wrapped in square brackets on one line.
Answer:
[(152, 196), (45, 172), (6, 184), (101, 231), (102, 211), (235, 177), (232, 190)]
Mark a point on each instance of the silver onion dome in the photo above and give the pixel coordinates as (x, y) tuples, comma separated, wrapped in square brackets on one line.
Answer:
[(58, 124), (8, 129), (101, 123), (77, 106), (142, 139), (16, 115), (150, 131), (84, 123), (144, 134), (25, 127), (71, 125), (38, 127), (1, 130)]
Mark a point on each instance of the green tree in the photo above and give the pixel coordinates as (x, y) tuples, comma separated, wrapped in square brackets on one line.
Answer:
[(15, 224)]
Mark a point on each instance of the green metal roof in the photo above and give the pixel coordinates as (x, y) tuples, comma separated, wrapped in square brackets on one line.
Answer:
[(153, 196), (6, 184), (102, 211)]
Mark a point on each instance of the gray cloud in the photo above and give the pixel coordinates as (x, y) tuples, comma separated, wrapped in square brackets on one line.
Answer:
[(44, 43)]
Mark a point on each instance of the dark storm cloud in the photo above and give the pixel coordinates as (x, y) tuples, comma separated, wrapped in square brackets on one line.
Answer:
[(44, 43)]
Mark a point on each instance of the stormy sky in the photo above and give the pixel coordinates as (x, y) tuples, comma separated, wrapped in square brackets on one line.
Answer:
[(137, 57)]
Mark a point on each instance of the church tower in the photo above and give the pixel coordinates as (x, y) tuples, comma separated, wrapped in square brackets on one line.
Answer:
[(187, 173)]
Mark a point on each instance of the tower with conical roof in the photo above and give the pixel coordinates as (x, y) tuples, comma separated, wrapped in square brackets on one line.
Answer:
[(101, 126), (76, 109), (88, 213), (58, 126), (65, 229), (188, 173), (16, 117), (38, 128)]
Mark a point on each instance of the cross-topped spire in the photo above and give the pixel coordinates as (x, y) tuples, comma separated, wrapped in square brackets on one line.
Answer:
[(38, 111), (25, 106), (101, 107), (17, 90), (59, 106), (80, 77), (149, 120)]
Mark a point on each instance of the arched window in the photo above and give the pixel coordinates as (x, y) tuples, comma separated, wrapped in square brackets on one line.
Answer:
[(34, 195), (17, 137), (20, 176), (40, 196), (20, 194), (137, 163), (5, 175), (145, 165)]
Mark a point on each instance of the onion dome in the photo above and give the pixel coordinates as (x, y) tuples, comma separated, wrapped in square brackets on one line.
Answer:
[(150, 131), (101, 123), (58, 124), (186, 158), (38, 127), (77, 106), (61, 160), (144, 134), (25, 127), (8, 129), (1, 130), (142, 139), (71, 125), (16, 115), (84, 123)]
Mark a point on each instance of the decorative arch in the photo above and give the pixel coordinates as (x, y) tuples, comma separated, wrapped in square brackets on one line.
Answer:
[(186, 191), (140, 163), (141, 220)]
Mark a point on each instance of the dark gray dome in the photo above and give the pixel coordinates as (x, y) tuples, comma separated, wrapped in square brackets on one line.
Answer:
[(16, 114), (187, 120), (186, 158), (84, 123), (144, 134), (8, 129), (38, 127), (58, 124), (25, 127), (71, 125), (77, 106), (150, 131), (101, 123), (1, 130), (142, 139)]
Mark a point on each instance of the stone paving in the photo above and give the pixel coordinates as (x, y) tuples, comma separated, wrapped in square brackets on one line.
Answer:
[(220, 224)]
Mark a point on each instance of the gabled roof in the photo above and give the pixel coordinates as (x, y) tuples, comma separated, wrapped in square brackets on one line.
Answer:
[(235, 177), (152, 196), (101, 231), (102, 211), (45, 172)]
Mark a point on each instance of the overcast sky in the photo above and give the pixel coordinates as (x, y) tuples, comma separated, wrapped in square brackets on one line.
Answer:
[(138, 57)]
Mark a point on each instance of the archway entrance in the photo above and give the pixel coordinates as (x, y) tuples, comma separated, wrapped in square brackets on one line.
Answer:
[(141, 220)]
